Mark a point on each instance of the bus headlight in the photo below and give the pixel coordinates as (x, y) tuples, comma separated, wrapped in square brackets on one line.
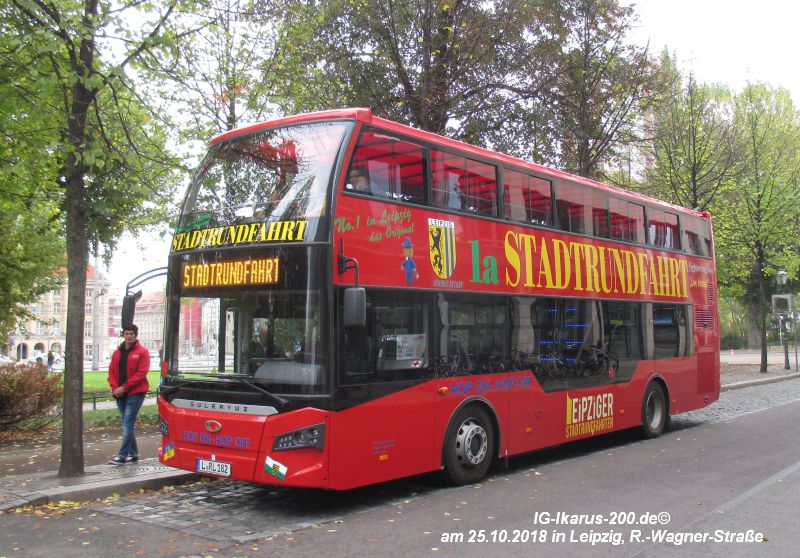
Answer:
[(309, 437)]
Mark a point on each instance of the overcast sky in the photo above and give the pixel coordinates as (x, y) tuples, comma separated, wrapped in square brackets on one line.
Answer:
[(728, 41), (732, 42)]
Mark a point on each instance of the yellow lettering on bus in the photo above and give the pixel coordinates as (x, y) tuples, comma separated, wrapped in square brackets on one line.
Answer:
[(301, 230), (654, 285), (529, 247), (643, 268), (562, 264), (512, 258), (591, 260), (288, 231), (544, 267), (604, 272), (575, 248)]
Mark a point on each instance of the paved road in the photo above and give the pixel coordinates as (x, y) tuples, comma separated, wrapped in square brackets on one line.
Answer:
[(731, 467)]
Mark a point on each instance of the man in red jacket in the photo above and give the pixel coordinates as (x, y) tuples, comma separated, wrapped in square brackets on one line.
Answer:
[(127, 376)]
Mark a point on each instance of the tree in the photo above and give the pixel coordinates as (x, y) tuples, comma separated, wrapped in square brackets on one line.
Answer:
[(757, 222), (104, 143), (695, 144), (443, 66), (207, 74), (603, 84), (32, 251)]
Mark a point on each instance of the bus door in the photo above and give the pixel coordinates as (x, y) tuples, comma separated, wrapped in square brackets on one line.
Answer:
[(384, 427)]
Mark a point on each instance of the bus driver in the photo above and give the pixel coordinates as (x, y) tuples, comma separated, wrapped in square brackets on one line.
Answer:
[(264, 345)]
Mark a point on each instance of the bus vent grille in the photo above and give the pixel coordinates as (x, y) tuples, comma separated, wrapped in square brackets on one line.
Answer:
[(712, 294), (704, 319)]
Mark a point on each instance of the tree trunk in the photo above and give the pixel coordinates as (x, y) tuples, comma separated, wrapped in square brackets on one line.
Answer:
[(75, 171), (762, 321), (72, 460)]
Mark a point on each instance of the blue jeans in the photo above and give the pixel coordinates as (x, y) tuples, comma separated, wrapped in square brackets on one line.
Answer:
[(128, 410)]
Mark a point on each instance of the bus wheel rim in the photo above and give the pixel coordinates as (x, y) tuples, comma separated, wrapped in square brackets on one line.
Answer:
[(472, 443), (654, 410)]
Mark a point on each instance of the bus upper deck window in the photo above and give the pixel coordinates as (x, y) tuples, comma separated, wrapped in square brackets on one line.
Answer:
[(581, 210), (662, 229), (627, 220), (464, 184), (527, 198), (697, 234), (387, 167)]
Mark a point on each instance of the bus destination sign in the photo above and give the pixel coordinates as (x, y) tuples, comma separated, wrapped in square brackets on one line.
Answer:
[(231, 273)]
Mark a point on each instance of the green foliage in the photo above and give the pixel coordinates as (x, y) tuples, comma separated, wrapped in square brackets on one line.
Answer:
[(31, 224), (28, 395), (110, 166), (696, 148), (603, 84), (734, 324), (554, 82), (757, 218), (440, 66)]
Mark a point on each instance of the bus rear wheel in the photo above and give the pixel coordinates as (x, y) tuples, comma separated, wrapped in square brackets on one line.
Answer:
[(655, 416), (469, 446)]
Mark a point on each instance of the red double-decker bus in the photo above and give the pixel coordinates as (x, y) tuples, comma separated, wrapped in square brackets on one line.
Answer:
[(352, 300)]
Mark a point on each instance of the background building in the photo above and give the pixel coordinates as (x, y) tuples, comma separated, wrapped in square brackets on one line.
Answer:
[(48, 331), (149, 318)]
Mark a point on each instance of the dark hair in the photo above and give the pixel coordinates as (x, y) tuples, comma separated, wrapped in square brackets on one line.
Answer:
[(360, 170), (131, 327)]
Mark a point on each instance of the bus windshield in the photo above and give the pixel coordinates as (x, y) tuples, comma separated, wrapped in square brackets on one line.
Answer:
[(271, 175), (269, 338)]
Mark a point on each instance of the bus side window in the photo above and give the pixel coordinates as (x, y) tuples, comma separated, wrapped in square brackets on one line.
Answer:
[(662, 229), (527, 199), (627, 220), (357, 355), (463, 184), (671, 331), (581, 210), (394, 168), (697, 234), (393, 345)]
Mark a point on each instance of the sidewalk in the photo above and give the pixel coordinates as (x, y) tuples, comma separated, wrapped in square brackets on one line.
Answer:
[(101, 481)]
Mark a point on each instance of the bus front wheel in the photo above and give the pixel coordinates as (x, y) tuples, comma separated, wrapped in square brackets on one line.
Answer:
[(469, 446), (655, 415)]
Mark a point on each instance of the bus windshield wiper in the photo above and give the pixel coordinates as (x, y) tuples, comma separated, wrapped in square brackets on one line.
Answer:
[(166, 390), (283, 403), (242, 378), (247, 380)]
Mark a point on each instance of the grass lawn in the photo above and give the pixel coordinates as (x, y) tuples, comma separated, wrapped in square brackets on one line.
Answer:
[(148, 415), (98, 381)]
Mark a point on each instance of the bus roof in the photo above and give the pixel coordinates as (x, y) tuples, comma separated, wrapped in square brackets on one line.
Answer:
[(364, 115)]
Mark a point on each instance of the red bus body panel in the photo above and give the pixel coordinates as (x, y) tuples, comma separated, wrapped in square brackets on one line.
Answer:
[(401, 434)]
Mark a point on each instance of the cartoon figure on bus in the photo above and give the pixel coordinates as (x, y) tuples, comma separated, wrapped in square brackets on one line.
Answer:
[(408, 264)]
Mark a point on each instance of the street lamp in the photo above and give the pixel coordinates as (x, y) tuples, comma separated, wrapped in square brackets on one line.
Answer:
[(781, 278)]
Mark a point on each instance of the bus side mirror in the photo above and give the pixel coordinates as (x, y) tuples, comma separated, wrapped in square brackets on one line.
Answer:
[(355, 307), (128, 308)]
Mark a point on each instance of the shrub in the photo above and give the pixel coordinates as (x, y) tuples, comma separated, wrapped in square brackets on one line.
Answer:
[(27, 392), (732, 341)]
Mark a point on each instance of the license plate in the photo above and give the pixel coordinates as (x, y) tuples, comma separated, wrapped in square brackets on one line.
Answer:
[(214, 467)]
